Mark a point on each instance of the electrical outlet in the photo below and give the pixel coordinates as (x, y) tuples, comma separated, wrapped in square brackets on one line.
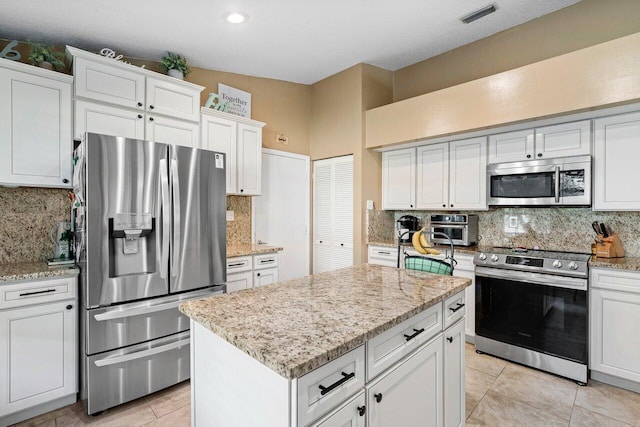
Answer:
[(513, 222), (230, 216)]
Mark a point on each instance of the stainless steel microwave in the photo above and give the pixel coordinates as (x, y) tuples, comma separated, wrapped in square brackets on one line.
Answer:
[(563, 181)]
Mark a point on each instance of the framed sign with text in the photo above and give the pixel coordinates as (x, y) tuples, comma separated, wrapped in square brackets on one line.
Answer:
[(238, 101)]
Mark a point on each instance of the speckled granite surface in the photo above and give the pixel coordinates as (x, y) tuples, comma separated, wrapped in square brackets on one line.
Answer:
[(296, 326), (239, 230), (627, 263), (33, 270), (248, 249)]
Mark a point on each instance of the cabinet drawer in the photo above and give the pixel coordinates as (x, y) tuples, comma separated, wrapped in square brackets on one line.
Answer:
[(383, 255), (626, 281), (237, 264), (38, 292), (108, 84), (465, 262), (454, 309), (329, 385), (265, 261), (389, 347)]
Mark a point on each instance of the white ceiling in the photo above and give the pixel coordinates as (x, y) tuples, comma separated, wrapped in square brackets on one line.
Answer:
[(295, 40)]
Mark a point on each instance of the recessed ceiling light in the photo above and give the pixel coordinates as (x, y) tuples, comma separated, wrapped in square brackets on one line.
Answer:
[(236, 17)]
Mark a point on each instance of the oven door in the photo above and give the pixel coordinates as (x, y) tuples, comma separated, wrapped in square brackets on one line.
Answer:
[(540, 312), (459, 234)]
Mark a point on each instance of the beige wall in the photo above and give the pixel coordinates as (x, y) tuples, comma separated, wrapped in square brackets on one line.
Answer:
[(583, 24)]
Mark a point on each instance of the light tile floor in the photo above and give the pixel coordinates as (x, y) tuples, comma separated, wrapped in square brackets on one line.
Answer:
[(499, 393)]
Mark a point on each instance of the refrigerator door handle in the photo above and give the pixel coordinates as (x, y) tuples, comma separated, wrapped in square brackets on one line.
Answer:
[(121, 314), (166, 224), (176, 217), (141, 354)]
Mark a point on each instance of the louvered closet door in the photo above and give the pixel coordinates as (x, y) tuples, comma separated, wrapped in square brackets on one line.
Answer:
[(333, 214)]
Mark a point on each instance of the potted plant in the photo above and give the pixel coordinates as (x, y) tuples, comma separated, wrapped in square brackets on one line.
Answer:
[(175, 65), (45, 57)]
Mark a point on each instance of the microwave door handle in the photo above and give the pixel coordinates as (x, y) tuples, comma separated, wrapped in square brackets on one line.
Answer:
[(176, 217), (557, 184), (166, 215)]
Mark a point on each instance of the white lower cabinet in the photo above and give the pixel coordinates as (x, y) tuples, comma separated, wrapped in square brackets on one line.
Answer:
[(38, 347), (410, 394), (454, 374), (246, 272), (351, 414), (614, 314), (239, 281), (264, 277)]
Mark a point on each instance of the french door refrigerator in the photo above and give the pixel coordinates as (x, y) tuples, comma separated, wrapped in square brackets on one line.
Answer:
[(153, 234)]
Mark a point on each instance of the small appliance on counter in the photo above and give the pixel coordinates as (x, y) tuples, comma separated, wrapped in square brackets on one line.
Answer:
[(461, 228), (407, 225)]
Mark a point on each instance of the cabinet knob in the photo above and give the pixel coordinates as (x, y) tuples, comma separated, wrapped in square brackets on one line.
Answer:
[(69, 307), (242, 190), (451, 205), (362, 410), (528, 156), (539, 154), (341, 244), (444, 206), (258, 274), (378, 397), (150, 119), (450, 339), (139, 104), (320, 241), (65, 180), (411, 206), (151, 107), (139, 116)]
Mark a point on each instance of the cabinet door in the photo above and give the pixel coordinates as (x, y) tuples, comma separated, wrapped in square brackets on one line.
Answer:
[(172, 131), (454, 374), (351, 414), (399, 179), (470, 297), (239, 281), (265, 276), (108, 84), (173, 98), (433, 176), (249, 160), (98, 118), (615, 343), (616, 154), (35, 136), (411, 394), (38, 355), (511, 146), (567, 139), (468, 174), (342, 216), (220, 135)]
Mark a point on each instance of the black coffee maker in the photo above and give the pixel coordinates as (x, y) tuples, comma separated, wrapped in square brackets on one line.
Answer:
[(407, 225)]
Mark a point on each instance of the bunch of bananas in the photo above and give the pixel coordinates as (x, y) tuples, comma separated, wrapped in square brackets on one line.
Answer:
[(421, 243)]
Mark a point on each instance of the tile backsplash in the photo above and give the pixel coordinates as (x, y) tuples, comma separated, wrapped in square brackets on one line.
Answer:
[(564, 229), (239, 230), (26, 218)]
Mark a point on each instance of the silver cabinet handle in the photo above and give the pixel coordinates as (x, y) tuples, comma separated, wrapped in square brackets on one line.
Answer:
[(140, 354), (176, 216), (166, 225)]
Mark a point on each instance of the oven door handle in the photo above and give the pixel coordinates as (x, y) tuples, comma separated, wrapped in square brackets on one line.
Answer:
[(529, 277)]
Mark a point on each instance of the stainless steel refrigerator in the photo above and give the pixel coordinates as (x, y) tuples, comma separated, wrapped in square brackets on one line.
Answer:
[(153, 233)]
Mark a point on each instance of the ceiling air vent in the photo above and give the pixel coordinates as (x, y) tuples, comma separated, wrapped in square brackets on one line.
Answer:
[(479, 13)]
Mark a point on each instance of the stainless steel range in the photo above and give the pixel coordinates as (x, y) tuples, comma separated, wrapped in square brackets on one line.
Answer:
[(531, 308)]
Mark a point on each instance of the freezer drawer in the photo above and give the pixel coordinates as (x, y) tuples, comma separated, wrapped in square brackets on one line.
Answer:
[(127, 324), (126, 374)]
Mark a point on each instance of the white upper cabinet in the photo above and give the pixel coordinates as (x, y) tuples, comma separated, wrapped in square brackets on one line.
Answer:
[(452, 175), (399, 179), (616, 154), (120, 99), (35, 136), (566, 139), (241, 140)]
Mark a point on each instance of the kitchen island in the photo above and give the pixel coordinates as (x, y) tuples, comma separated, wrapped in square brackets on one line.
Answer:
[(360, 342)]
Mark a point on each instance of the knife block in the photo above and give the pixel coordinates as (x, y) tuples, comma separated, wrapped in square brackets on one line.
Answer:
[(610, 248)]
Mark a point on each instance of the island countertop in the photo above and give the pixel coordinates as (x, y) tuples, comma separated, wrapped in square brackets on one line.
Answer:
[(296, 326)]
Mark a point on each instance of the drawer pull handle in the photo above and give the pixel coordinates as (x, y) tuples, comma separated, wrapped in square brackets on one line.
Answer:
[(237, 264), (264, 261), (345, 377), (378, 397), (362, 410), (37, 292), (384, 253), (415, 334), (450, 339), (458, 307)]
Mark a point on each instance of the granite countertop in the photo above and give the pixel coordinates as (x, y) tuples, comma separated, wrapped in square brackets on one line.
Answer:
[(461, 249), (248, 249), (627, 263), (296, 326), (33, 271)]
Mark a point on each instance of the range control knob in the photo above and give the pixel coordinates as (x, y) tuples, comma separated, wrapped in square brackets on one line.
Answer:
[(482, 257), (573, 265), (557, 264), (494, 258)]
